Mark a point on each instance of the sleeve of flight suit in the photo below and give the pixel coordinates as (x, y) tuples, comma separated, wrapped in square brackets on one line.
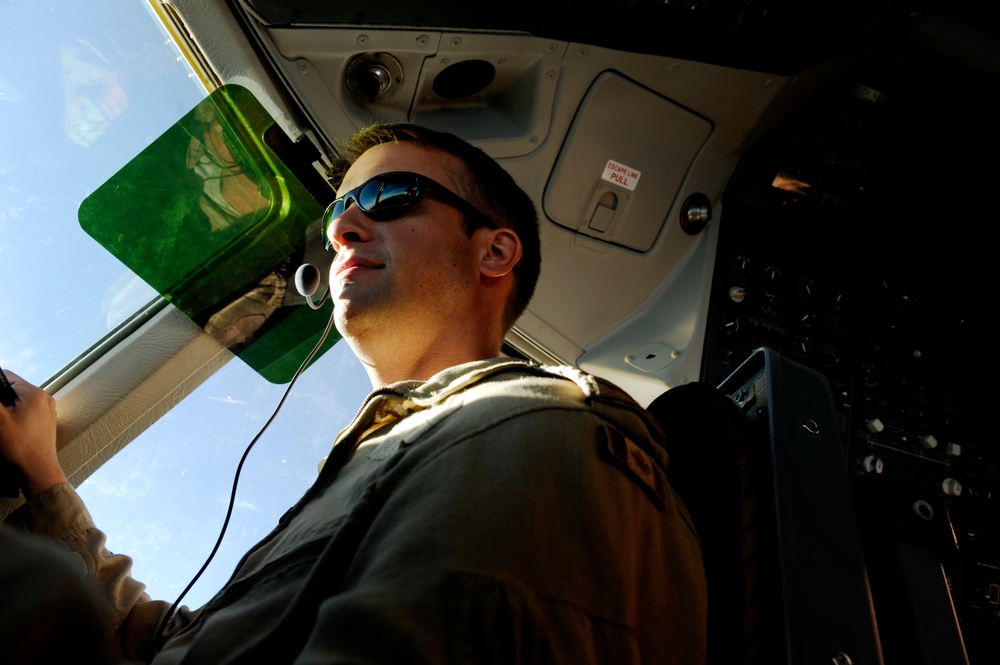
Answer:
[(131, 617)]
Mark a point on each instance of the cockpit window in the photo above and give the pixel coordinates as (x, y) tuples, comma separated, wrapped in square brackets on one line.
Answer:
[(84, 89)]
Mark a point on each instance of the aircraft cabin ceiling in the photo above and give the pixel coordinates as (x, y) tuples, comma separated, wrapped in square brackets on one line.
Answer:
[(622, 120)]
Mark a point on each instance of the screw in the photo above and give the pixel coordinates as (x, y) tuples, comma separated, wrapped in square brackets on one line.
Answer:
[(362, 40), (456, 41), (302, 65), (582, 52), (422, 40)]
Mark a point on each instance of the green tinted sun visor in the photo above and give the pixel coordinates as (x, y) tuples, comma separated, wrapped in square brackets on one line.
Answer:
[(211, 217)]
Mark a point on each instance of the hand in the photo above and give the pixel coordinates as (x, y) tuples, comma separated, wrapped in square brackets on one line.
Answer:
[(28, 437)]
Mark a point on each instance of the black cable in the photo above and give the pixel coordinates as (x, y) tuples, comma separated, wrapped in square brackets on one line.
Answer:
[(157, 634)]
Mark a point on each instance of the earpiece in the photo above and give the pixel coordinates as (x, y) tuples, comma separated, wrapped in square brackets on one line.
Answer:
[(307, 280)]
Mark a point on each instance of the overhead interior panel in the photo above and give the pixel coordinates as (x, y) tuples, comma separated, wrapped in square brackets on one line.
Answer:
[(495, 90), (623, 163)]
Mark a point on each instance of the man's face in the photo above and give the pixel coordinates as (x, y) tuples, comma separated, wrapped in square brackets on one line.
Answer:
[(414, 273)]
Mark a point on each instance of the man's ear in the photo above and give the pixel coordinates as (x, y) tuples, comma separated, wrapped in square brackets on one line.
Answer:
[(500, 251)]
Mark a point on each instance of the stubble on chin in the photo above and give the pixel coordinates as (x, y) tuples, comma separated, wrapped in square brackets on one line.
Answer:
[(356, 320)]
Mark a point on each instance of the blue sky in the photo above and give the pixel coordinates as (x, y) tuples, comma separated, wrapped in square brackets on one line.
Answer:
[(83, 89)]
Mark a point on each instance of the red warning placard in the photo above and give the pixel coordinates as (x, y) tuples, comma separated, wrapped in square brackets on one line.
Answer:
[(620, 174)]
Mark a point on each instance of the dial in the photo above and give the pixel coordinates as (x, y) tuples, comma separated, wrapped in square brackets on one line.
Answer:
[(807, 288), (742, 265), (731, 326), (802, 346), (773, 274)]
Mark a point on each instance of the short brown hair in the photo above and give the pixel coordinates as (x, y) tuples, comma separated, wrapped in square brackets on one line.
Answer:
[(487, 186)]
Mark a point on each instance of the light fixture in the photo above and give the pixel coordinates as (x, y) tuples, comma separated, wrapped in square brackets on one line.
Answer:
[(374, 78)]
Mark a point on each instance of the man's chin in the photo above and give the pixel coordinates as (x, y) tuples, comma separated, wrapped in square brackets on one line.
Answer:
[(352, 315)]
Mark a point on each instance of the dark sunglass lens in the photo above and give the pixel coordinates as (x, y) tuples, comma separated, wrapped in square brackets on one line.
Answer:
[(368, 195), (336, 211), (395, 194), (332, 213), (387, 198), (381, 198)]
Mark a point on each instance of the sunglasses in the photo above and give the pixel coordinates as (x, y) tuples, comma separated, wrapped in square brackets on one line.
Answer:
[(388, 195)]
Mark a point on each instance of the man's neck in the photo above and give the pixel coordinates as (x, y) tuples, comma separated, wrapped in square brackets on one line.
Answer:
[(394, 366)]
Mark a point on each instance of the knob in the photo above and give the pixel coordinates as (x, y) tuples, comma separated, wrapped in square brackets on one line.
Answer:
[(874, 425), (951, 487), (928, 442), (872, 464)]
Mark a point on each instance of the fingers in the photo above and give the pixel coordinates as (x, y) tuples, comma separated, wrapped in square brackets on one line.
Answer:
[(31, 400), (28, 436)]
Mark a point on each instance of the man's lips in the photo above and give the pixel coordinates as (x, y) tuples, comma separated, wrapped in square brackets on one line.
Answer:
[(354, 266)]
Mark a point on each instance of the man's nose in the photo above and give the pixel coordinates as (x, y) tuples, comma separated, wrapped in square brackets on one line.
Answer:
[(350, 226)]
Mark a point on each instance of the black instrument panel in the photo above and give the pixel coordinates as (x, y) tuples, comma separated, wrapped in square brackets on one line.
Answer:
[(854, 239)]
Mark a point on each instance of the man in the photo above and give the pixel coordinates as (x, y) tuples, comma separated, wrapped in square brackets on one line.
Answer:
[(478, 509)]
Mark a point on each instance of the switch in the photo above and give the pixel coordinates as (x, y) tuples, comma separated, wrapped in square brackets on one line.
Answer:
[(953, 450), (928, 442), (874, 425), (951, 487)]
